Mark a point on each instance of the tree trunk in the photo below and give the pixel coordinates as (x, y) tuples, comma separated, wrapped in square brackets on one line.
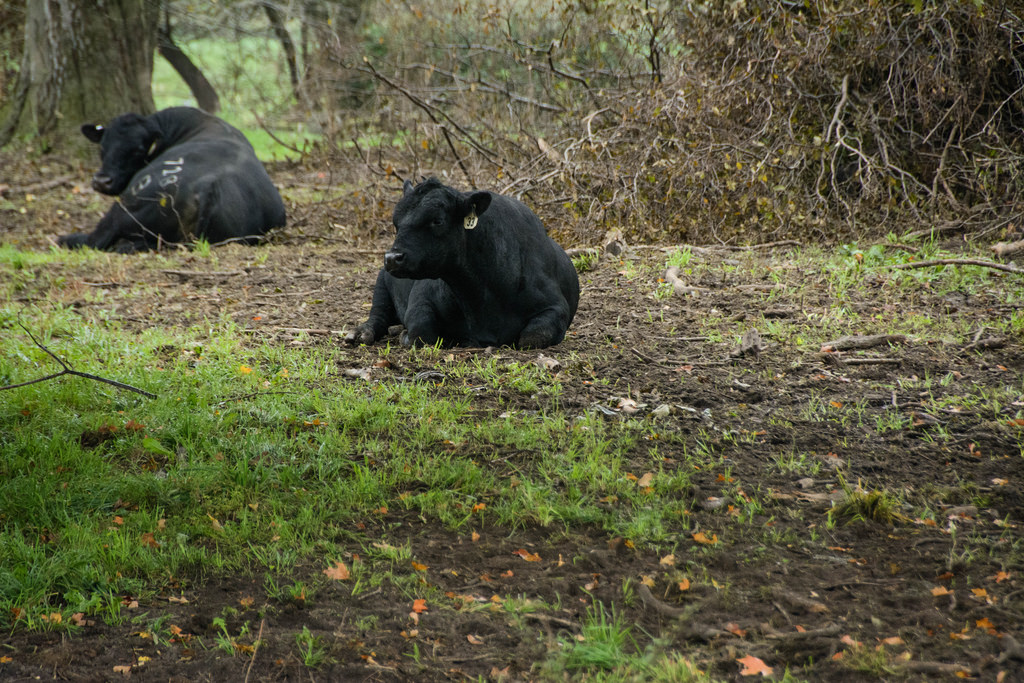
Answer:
[(205, 94), (277, 23), (82, 63)]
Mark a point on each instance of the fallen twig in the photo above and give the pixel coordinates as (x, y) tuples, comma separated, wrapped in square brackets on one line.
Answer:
[(68, 370), (691, 629), (200, 273), (678, 286), (863, 341), (825, 632), (40, 186), (1004, 249), (960, 262), (255, 649)]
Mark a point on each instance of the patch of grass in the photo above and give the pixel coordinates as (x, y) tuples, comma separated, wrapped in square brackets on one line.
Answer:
[(867, 506)]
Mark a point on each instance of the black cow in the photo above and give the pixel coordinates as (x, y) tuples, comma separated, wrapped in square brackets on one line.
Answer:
[(471, 269), (181, 174)]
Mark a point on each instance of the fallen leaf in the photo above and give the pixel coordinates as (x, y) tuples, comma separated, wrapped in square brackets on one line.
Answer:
[(753, 666), (244, 369), (892, 640), (527, 555), (474, 537), (735, 629), (216, 524), (848, 640), (684, 585), (668, 561), (701, 537), (419, 605), (647, 580), (474, 640), (1001, 576), (419, 567), (984, 623), (339, 572), (125, 669), (149, 540), (940, 590), (247, 602)]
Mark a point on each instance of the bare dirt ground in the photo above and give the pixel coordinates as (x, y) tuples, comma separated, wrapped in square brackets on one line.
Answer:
[(790, 600)]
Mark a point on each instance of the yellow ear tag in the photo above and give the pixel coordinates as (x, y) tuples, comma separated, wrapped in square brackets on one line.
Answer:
[(163, 201), (469, 222), (152, 148)]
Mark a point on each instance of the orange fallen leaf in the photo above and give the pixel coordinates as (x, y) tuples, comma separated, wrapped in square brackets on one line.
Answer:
[(124, 669), (753, 666), (244, 369), (247, 602), (984, 623), (474, 640), (735, 629), (5, 659), (118, 520), (474, 537), (149, 540), (419, 605), (479, 506), (848, 640), (1001, 576), (940, 590), (647, 580), (339, 572), (684, 585), (645, 481), (419, 567), (527, 555), (701, 537), (668, 561), (892, 640)]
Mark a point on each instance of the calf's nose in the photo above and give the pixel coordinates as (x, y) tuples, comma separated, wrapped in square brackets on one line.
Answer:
[(393, 259), (101, 182)]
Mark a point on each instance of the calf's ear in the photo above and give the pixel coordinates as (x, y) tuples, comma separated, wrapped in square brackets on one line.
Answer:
[(92, 131), (406, 187)]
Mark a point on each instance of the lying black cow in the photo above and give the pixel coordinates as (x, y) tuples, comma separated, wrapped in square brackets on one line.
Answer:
[(181, 175), (474, 269)]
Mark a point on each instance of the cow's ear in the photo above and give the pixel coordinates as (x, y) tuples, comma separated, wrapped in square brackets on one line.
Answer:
[(92, 131), (476, 204), (406, 188)]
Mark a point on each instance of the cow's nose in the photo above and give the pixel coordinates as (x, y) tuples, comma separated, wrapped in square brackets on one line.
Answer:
[(101, 182), (393, 259)]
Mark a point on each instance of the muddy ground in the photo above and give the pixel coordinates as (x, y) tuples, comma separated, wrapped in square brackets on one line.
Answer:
[(802, 596)]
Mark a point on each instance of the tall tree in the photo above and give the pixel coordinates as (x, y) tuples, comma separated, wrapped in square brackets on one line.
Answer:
[(83, 61)]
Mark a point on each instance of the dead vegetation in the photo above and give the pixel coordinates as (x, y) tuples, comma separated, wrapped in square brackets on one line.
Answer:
[(714, 122)]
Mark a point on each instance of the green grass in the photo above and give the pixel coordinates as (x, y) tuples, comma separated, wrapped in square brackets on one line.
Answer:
[(257, 458), (251, 79)]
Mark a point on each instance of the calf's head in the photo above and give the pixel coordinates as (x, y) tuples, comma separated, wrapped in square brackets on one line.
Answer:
[(431, 220), (126, 146)]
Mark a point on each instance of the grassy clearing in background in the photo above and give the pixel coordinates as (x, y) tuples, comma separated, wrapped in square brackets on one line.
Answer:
[(251, 79)]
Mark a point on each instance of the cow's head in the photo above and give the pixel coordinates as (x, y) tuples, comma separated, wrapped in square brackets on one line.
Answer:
[(126, 146), (432, 220)]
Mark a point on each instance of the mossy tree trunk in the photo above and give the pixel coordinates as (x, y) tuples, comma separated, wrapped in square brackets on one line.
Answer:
[(84, 61)]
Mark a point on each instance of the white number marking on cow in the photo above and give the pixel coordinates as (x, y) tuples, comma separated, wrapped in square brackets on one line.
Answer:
[(142, 184)]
